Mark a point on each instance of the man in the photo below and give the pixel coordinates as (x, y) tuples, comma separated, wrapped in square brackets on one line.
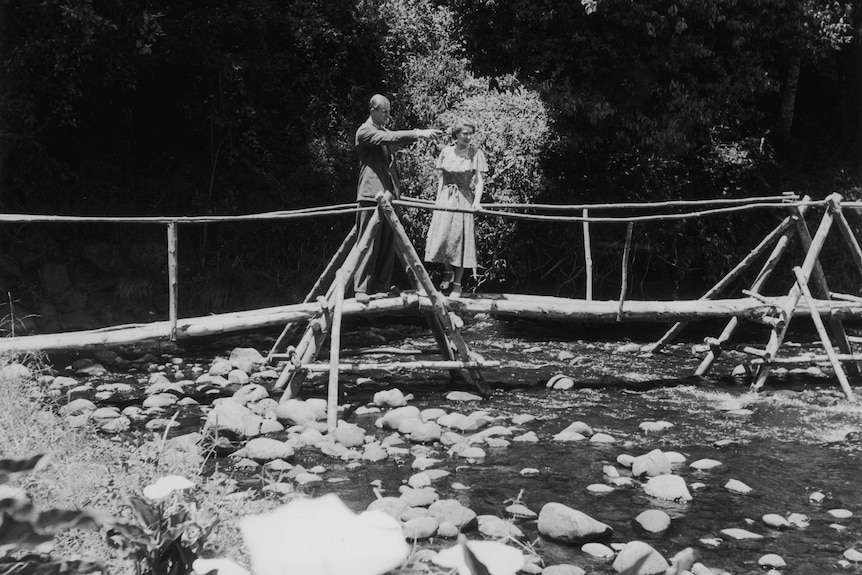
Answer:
[(375, 146)]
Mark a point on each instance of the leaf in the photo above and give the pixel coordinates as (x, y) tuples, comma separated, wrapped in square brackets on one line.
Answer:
[(9, 467), (14, 533), (146, 513), (476, 567)]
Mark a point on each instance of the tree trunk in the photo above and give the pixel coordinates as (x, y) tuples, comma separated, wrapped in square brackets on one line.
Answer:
[(784, 122)]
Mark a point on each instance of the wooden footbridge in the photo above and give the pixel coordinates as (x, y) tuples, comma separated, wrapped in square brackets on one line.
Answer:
[(308, 325)]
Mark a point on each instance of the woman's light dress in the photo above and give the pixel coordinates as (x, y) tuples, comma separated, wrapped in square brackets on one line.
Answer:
[(451, 235)]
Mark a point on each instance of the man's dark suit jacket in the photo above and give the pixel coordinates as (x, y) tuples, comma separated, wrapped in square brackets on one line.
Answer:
[(376, 150)]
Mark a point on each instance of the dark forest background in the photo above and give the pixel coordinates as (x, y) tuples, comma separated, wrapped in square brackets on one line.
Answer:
[(157, 107)]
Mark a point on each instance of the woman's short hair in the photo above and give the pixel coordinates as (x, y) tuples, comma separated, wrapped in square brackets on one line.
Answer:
[(459, 125)]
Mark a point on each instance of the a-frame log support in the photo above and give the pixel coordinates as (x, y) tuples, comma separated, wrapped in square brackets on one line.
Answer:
[(444, 324)]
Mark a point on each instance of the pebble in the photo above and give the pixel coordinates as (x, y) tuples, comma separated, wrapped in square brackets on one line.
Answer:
[(772, 561), (737, 487), (798, 520), (776, 521), (705, 464), (598, 550), (840, 513), (737, 533), (602, 438), (529, 472), (853, 555), (816, 497), (599, 488)]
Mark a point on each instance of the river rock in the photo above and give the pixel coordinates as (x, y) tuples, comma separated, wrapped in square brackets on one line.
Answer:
[(265, 407), (237, 377), (296, 412), (772, 561), (655, 427), (705, 464), (62, 382), (421, 497), (599, 550), (265, 449), (473, 453), (393, 418), (77, 407), (419, 480), (15, 372), (737, 487), (390, 398), (246, 359), (737, 533), (853, 555), (563, 569), (117, 425), (639, 558), (560, 522), (307, 478), (798, 520), (520, 511), (651, 464), (579, 427), (349, 434), (599, 488), (452, 511), (522, 418), (104, 414), (159, 400), (374, 452), (497, 528), (448, 530), (251, 393), (775, 521), (228, 415), (625, 460), (220, 366), (528, 437), (420, 528), (653, 521), (569, 436), (463, 396), (669, 487), (602, 438), (840, 513), (427, 432)]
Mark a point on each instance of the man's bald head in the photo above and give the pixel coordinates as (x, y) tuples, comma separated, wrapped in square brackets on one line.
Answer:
[(378, 100), (379, 110)]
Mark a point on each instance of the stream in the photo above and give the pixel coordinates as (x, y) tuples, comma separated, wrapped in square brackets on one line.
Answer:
[(797, 437)]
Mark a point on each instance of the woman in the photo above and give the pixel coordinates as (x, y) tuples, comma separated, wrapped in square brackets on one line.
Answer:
[(451, 236)]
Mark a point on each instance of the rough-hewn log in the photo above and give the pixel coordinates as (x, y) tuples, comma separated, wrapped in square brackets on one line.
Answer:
[(503, 305)]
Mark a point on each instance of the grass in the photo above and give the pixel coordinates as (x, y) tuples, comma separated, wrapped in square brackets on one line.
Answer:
[(87, 470)]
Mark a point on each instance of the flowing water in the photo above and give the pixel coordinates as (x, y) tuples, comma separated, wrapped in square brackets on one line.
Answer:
[(798, 437)]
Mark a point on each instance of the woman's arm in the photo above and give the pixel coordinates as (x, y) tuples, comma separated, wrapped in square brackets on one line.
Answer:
[(477, 191)]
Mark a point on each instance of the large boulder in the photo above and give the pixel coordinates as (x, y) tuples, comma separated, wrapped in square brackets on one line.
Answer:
[(562, 523), (228, 415)]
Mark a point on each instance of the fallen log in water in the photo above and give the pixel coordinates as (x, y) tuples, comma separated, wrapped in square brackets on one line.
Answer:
[(504, 305)]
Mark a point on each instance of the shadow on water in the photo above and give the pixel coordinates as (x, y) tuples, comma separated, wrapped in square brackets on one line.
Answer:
[(794, 439)]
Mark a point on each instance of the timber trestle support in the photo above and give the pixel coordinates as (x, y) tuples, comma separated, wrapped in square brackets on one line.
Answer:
[(325, 323), (782, 309)]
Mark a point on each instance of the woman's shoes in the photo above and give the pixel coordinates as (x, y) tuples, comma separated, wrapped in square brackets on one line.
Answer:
[(456, 290), (448, 277)]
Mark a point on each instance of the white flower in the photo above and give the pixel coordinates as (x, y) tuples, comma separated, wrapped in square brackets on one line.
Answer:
[(322, 537), (498, 558), (164, 486)]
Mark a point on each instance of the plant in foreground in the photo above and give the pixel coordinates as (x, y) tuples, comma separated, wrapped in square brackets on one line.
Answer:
[(169, 529), (23, 526)]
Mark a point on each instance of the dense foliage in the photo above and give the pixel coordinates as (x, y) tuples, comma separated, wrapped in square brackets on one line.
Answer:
[(215, 107)]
